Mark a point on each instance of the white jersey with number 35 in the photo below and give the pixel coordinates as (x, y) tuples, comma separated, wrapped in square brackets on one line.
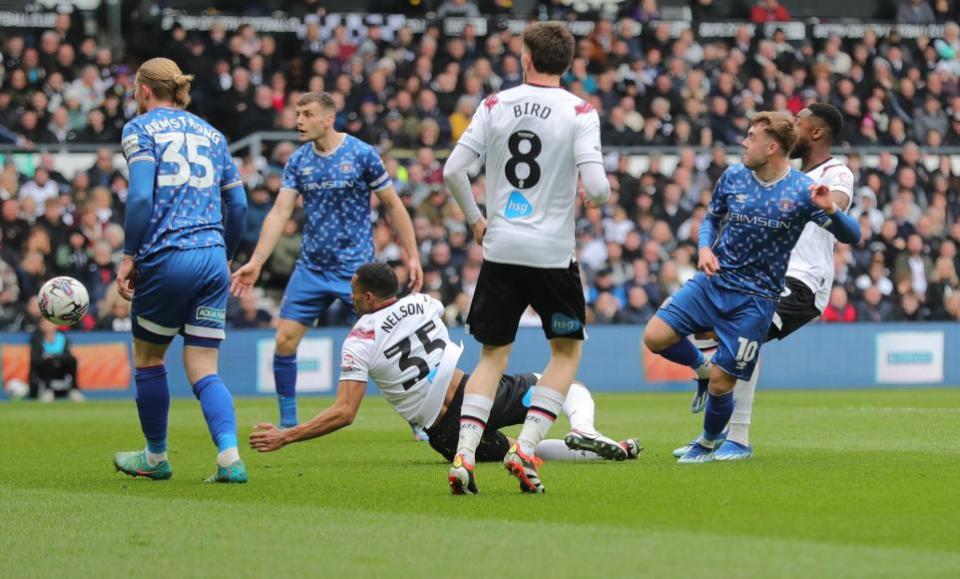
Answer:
[(534, 139), (811, 260), (406, 350)]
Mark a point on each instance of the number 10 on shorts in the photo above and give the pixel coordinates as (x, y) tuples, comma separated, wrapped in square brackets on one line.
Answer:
[(747, 351)]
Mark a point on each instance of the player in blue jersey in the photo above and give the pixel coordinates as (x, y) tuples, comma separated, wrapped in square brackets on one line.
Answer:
[(766, 204), (336, 174), (179, 240)]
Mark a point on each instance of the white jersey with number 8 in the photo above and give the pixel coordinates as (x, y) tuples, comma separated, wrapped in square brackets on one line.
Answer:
[(534, 139), (406, 350)]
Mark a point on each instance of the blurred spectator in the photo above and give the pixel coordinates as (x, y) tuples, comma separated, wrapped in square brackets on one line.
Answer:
[(769, 11), (914, 265), (839, 309), (915, 12), (874, 308), (249, 315), (53, 368), (115, 313), (39, 189)]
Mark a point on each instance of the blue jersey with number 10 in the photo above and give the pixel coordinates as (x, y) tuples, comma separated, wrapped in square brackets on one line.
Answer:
[(193, 167), (763, 223)]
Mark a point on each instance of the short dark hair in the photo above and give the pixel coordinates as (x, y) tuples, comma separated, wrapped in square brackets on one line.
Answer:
[(324, 99), (378, 279), (551, 46), (830, 116)]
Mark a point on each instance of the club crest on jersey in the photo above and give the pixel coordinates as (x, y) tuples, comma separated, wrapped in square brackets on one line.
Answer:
[(346, 167), (517, 206), (786, 204)]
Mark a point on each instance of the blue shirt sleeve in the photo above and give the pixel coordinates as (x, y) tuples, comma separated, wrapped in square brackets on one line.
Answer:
[(230, 176), (139, 207), (718, 203), (136, 144), (373, 172), (291, 173)]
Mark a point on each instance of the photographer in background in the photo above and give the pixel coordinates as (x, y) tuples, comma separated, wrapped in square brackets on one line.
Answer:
[(53, 369)]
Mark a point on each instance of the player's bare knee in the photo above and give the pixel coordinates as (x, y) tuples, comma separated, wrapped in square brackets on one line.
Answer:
[(566, 349), (287, 342), (720, 382), (658, 336), (497, 356)]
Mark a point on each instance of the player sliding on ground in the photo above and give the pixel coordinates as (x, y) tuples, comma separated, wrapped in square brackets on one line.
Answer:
[(537, 138), (810, 271), (175, 263), (404, 347), (767, 205)]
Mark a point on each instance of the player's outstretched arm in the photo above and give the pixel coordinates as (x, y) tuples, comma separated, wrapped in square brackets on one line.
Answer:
[(136, 220), (267, 437), (243, 279), (404, 228), (845, 228), (595, 182)]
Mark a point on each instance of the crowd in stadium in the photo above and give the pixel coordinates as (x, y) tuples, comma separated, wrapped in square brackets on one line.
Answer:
[(414, 95)]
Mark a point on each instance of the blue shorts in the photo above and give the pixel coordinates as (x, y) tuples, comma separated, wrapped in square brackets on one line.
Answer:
[(740, 320), (309, 295), (182, 292)]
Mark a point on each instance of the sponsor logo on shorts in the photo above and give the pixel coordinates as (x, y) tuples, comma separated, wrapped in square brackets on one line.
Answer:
[(209, 314), (518, 206), (562, 324)]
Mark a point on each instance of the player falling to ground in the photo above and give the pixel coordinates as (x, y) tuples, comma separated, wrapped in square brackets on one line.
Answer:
[(536, 138), (767, 205), (404, 347), (810, 270), (335, 173), (176, 263)]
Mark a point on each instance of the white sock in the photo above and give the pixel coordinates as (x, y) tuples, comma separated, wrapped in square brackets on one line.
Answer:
[(155, 458), (228, 457), (580, 409), (739, 429), (474, 414), (545, 405), (704, 370), (554, 449)]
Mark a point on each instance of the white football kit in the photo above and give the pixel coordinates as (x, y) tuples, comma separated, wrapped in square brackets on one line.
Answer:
[(534, 138), (811, 260), (406, 350)]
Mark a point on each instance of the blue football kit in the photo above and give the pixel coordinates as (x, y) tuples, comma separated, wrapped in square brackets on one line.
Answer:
[(338, 235), (763, 223), (178, 238)]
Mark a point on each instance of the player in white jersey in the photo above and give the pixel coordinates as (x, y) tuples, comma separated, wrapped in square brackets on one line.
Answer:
[(404, 347), (810, 271), (537, 139)]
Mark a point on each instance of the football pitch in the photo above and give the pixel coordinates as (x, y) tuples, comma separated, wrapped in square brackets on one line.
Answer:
[(843, 484)]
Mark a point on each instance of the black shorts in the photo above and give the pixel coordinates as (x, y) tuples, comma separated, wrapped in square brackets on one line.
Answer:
[(504, 291), (797, 307), (508, 410)]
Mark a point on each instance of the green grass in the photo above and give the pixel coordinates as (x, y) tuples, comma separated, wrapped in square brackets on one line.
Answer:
[(843, 484)]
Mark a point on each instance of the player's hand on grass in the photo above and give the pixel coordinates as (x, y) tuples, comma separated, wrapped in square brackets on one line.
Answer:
[(479, 230), (708, 261), (822, 198), (266, 438), (416, 274), (126, 278), (242, 280)]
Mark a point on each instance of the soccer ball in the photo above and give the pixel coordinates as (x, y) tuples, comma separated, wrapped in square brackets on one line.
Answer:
[(64, 301)]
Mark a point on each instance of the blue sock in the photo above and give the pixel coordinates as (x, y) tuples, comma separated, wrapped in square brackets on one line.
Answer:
[(285, 378), (717, 415), (153, 405), (684, 353), (217, 405)]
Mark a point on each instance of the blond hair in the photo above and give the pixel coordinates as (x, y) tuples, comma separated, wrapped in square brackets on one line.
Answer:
[(166, 80), (778, 126)]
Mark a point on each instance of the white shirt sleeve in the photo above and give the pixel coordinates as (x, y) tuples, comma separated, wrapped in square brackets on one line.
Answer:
[(456, 177), (839, 179), (595, 182), (587, 147), (355, 355), (475, 137)]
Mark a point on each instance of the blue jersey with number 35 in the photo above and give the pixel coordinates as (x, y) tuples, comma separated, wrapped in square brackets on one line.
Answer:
[(193, 167)]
